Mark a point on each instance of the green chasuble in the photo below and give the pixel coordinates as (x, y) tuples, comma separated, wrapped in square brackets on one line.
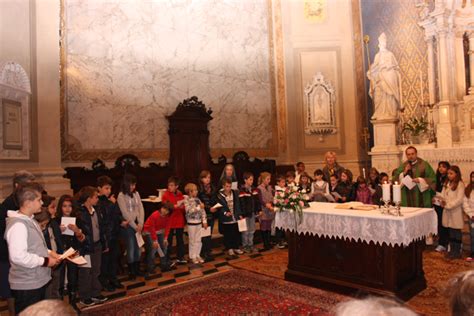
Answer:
[(413, 197)]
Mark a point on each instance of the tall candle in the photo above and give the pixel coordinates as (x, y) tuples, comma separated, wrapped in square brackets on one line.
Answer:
[(386, 191), (363, 172), (397, 193)]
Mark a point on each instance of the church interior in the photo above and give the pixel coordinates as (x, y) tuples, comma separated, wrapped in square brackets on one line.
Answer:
[(353, 120)]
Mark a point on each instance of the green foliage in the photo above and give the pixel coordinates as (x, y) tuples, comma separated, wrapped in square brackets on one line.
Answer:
[(416, 126)]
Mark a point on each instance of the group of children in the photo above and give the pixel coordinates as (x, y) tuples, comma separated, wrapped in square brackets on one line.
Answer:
[(204, 205), (452, 200), (338, 186), (93, 222)]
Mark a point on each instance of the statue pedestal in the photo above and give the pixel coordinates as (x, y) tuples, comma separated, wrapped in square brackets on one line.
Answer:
[(385, 154)]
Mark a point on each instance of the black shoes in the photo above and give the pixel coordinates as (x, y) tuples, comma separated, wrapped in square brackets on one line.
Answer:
[(99, 299), (116, 283)]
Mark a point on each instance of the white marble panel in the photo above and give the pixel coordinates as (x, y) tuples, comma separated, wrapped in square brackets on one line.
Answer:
[(129, 63)]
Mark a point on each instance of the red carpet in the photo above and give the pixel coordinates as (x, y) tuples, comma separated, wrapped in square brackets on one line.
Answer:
[(231, 292), (432, 301)]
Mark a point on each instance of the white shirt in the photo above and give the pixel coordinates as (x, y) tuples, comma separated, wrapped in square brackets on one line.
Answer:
[(17, 239)]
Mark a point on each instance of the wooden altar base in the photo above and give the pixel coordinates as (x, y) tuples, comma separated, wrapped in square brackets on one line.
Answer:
[(350, 267)]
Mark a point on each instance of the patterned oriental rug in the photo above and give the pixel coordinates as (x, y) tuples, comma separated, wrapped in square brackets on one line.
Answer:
[(432, 301), (230, 292)]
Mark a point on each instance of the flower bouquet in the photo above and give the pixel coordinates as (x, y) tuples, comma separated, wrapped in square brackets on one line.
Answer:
[(293, 201)]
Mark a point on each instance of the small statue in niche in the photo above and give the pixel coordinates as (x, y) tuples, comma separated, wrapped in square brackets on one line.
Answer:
[(385, 83), (321, 108)]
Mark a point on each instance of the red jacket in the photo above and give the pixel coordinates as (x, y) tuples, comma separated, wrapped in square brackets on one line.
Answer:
[(177, 217), (155, 222)]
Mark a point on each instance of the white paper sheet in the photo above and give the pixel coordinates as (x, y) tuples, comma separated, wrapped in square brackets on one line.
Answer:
[(67, 253), (408, 182), (66, 221), (205, 232), (437, 199), (423, 186), (242, 225), (79, 260), (140, 240), (235, 185), (329, 197), (88, 263), (336, 195)]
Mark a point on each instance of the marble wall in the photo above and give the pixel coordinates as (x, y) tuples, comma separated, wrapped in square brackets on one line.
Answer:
[(127, 64)]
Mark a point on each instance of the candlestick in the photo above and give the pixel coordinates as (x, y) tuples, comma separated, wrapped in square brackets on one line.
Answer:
[(397, 193), (386, 191)]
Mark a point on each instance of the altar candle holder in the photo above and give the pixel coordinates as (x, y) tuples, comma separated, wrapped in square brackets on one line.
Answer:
[(386, 207), (398, 207)]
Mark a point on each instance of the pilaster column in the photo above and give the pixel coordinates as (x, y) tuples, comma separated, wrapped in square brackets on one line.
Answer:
[(444, 128), (471, 62), (443, 66), (431, 69)]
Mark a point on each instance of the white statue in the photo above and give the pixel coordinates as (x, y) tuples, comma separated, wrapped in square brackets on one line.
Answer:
[(385, 83)]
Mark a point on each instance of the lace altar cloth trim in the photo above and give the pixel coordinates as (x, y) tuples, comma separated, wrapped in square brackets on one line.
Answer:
[(323, 220)]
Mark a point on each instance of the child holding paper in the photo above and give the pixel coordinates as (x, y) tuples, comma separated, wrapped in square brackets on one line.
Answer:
[(441, 178), (228, 214), (113, 221), (250, 206), (304, 185), (155, 233), (175, 197), (452, 201), (195, 219), (267, 214), (131, 206), (52, 236), (92, 247), (30, 259), (71, 239), (207, 195)]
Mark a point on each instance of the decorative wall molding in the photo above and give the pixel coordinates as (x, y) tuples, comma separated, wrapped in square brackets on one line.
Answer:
[(14, 76), (320, 107), (15, 91)]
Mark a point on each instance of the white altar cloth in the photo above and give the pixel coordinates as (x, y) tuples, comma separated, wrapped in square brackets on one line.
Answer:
[(324, 220)]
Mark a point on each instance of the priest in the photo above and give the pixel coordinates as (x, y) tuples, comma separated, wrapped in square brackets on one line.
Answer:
[(417, 178)]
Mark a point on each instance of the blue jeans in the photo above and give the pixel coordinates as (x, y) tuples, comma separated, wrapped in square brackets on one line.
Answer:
[(247, 236), (133, 252), (151, 252)]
